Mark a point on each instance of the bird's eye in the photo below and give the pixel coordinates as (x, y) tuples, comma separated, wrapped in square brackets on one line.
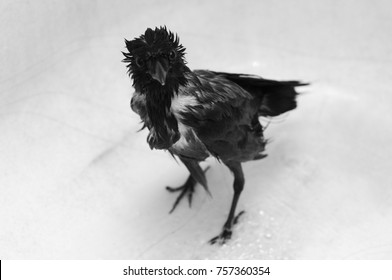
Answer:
[(139, 62), (172, 55)]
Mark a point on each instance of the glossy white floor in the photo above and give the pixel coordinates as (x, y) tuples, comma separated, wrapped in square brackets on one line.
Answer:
[(77, 180)]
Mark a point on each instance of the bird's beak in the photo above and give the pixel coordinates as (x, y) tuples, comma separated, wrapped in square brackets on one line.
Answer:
[(158, 71)]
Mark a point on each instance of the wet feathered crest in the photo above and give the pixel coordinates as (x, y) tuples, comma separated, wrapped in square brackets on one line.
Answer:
[(160, 34), (153, 41)]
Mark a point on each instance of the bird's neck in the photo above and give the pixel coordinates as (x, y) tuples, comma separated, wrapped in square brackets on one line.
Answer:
[(162, 123), (158, 100), (164, 126)]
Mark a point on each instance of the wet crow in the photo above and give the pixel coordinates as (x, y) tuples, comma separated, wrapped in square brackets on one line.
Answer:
[(200, 113)]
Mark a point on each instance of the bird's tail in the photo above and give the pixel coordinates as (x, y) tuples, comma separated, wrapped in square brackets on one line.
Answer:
[(276, 97)]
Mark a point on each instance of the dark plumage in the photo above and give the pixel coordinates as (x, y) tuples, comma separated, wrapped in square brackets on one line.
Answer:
[(200, 113)]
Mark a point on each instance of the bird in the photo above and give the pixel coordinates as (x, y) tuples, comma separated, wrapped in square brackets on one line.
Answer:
[(201, 113)]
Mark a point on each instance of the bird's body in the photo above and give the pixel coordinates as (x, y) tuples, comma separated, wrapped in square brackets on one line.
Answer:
[(200, 113), (215, 117)]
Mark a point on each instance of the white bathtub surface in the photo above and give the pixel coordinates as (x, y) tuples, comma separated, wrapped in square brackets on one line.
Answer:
[(78, 181)]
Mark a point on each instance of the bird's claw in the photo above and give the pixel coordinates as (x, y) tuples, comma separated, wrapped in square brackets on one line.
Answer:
[(226, 233), (221, 238), (187, 188), (235, 221)]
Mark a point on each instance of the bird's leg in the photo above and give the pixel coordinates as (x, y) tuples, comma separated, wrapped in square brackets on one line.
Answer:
[(238, 186), (197, 175)]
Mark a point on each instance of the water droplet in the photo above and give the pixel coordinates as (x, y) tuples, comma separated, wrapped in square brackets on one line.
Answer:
[(261, 213), (268, 235)]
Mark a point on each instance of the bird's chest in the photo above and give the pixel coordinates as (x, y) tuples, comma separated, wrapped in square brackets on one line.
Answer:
[(154, 110), (167, 130), (189, 144)]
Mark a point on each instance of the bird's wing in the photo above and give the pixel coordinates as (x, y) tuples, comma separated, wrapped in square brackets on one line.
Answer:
[(208, 98), (138, 105), (217, 111)]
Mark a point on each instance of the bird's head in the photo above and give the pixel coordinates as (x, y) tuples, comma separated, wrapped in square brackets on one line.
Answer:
[(156, 59)]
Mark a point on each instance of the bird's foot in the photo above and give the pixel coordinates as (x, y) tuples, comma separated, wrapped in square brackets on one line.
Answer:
[(222, 237), (226, 232), (187, 189)]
